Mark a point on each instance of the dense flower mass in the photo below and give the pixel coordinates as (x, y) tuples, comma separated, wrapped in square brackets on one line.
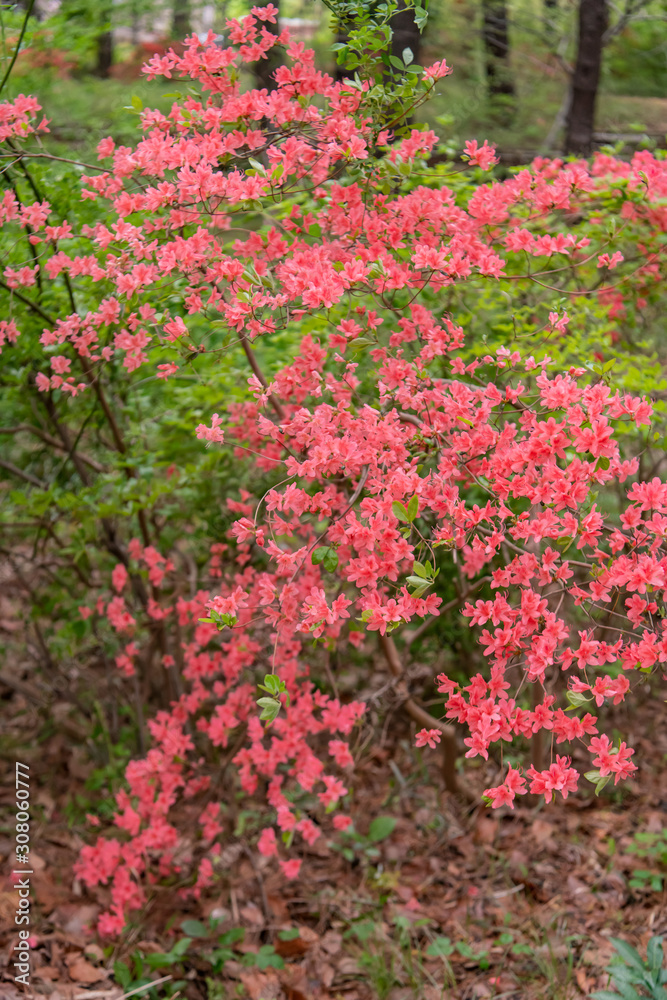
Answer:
[(394, 452)]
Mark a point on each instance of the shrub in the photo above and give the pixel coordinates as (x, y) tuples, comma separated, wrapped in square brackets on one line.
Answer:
[(382, 462)]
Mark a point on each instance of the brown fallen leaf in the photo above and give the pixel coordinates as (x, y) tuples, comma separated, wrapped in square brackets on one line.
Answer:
[(485, 830), (82, 971), (47, 893), (543, 832), (348, 967), (7, 908), (47, 972), (326, 973), (252, 915), (332, 942), (261, 985), (295, 947), (295, 983)]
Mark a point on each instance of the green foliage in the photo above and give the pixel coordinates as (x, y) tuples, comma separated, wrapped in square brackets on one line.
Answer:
[(653, 847), (364, 51), (271, 705), (327, 556), (196, 945), (637, 60), (354, 843), (630, 973)]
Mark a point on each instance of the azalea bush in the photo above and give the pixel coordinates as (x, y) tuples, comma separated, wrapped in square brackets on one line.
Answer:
[(255, 432)]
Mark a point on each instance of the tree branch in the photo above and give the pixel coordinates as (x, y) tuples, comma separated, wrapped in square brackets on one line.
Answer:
[(53, 442), (15, 471), (424, 718)]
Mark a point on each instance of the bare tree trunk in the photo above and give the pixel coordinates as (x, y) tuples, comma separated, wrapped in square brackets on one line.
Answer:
[(405, 33), (104, 54), (180, 22), (495, 34), (593, 20)]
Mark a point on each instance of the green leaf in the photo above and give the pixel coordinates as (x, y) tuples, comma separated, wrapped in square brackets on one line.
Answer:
[(400, 511), (319, 554), (267, 958), (270, 709), (364, 930), (330, 561), (421, 17), (271, 683), (629, 954), (654, 954), (598, 780), (421, 570), (122, 974), (442, 947), (218, 957), (605, 995), (195, 928), (232, 936), (160, 960), (413, 508), (137, 103), (290, 934), (181, 946), (381, 828), (407, 55)]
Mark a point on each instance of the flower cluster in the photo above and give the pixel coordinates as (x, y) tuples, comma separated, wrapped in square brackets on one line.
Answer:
[(394, 450)]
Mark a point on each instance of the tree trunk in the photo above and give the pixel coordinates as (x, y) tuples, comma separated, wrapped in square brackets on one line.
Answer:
[(405, 33), (593, 19), (264, 69), (495, 33), (104, 54), (180, 22)]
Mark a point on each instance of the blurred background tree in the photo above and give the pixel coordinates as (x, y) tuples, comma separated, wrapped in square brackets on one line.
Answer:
[(547, 76)]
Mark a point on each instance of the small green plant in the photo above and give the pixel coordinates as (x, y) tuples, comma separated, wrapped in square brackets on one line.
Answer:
[(633, 976), (443, 947), (199, 938), (224, 951), (642, 878), (356, 843), (136, 978), (652, 846)]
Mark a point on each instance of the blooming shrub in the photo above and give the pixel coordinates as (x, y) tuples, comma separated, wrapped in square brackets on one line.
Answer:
[(397, 454)]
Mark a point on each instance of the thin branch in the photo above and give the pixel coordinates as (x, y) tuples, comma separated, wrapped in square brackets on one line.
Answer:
[(424, 718), (22, 155), (53, 442), (27, 476), (28, 12), (252, 361), (29, 303)]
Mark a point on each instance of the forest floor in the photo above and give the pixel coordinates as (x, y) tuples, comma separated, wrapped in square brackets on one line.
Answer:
[(457, 901)]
